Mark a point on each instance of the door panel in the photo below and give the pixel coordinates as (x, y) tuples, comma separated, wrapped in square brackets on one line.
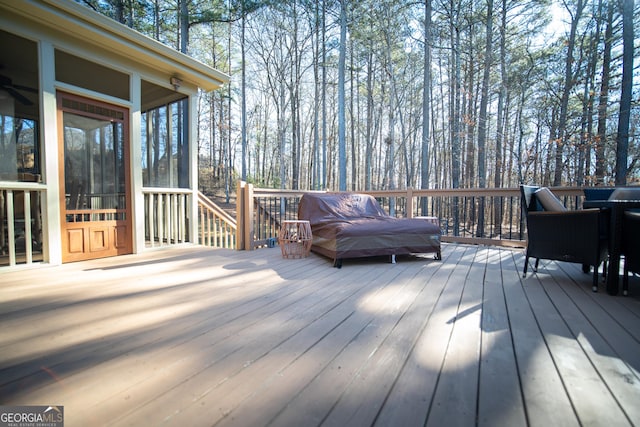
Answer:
[(121, 235), (96, 200), (75, 240), (99, 239)]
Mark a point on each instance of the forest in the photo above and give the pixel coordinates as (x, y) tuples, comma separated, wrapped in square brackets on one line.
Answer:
[(389, 94)]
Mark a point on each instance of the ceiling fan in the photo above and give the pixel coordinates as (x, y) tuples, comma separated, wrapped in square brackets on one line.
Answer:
[(7, 85)]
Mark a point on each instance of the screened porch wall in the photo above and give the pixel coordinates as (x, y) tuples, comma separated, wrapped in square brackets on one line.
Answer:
[(166, 173)]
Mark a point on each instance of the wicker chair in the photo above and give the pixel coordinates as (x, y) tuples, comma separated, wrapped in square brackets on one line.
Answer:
[(557, 234), (630, 246)]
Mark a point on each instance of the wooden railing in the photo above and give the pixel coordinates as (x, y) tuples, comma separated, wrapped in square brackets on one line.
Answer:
[(166, 221), (475, 216), (216, 227), (21, 223), (487, 216)]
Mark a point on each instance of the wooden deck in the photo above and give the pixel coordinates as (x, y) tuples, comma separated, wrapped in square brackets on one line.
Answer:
[(200, 337)]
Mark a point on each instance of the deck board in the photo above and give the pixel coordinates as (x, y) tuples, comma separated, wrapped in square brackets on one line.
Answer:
[(199, 336), (546, 401), (456, 390), (498, 364), (354, 332), (588, 395), (408, 401), (580, 317)]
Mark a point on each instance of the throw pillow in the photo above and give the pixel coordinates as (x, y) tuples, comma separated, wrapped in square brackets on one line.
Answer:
[(549, 201)]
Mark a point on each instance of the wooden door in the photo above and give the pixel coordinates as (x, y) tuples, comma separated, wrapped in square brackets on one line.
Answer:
[(94, 179)]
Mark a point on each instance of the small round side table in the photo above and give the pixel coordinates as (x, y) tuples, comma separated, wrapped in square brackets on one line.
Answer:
[(295, 238)]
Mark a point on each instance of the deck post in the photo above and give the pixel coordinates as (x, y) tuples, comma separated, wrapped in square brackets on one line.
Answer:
[(248, 217), (240, 189), (244, 216)]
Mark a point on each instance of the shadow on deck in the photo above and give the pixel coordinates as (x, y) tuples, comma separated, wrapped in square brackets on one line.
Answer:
[(197, 336)]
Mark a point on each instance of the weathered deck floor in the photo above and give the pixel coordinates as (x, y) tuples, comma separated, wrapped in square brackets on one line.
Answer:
[(199, 337)]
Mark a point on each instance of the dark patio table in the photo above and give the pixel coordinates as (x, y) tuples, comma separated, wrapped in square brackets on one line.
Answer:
[(615, 235)]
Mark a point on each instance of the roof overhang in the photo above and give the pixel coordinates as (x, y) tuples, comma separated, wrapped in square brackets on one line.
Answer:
[(78, 21)]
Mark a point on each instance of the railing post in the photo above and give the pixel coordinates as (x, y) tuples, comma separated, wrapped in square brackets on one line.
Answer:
[(11, 228), (203, 224), (151, 218), (409, 202), (28, 242), (240, 189), (244, 216), (248, 217)]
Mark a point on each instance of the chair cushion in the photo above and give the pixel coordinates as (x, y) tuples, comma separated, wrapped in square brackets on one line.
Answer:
[(549, 201), (626, 193)]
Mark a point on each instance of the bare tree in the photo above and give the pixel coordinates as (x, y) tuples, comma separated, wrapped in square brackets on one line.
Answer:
[(622, 140), (482, 119), (601, 138), (426, 105), (342, 143), (569, 82)]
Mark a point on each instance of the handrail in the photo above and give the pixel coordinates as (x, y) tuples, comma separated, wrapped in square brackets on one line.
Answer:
[(164, 190), (216, 227), (559, 191), (488, 216), (210, 204)]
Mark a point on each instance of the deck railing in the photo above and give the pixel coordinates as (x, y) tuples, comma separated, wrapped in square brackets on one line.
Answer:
[(21, 223), (476, 216), (166, 220), (479, 216), (216, 227)]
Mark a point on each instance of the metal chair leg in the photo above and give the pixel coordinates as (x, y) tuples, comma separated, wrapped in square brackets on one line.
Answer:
[(625, 280)]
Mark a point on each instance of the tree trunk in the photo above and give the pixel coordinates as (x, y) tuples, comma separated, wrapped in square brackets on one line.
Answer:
[(342, 143), (500, 119), (622, 140), (352, 100), (294, 90), (243, 95), (482, 119), (601, 138), (426, 107), (455, 117), (315, 182), (569, 81), (587, 107), (368, 155), (119, 11), (324, 94), (183, 19)]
